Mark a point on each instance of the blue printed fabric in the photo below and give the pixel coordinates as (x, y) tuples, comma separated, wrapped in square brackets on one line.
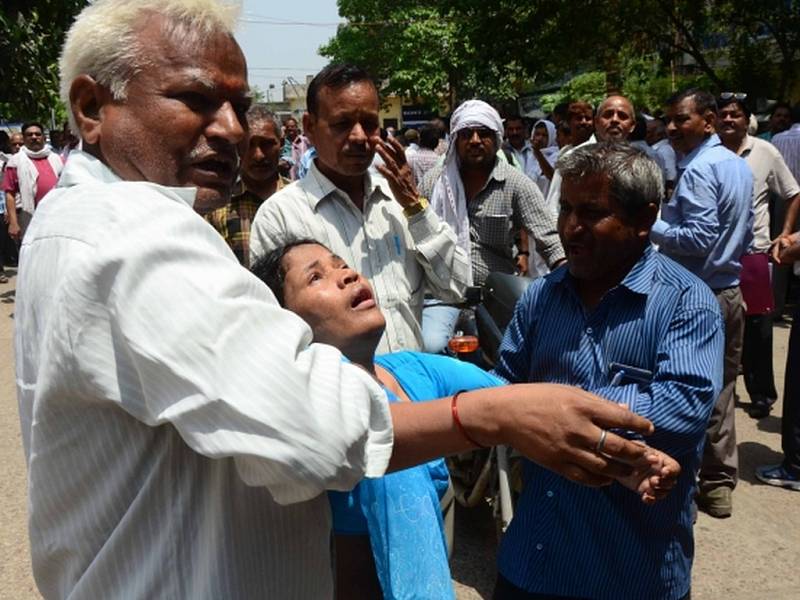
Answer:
[(400, 512)]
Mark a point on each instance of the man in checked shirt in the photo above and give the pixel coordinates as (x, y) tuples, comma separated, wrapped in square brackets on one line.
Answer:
[(487, 202)]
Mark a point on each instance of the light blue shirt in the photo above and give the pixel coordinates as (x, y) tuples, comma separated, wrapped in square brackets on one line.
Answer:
[(707, 225)]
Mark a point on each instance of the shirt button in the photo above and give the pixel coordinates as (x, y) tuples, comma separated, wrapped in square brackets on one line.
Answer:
[(550, 493), (539, 546), (589, 330)]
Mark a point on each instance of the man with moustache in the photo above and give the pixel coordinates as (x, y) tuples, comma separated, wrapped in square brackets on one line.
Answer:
[(179, 427), (632, 325), (771, 176), (28, 176), (378, 223), (486, 202), (260, 179), (706, 226), (614, 121)]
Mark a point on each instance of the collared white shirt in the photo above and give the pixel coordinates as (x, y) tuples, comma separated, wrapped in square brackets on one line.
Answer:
[(179, 430), (402, 258), (788, 143), (530, 165), (770, 174)]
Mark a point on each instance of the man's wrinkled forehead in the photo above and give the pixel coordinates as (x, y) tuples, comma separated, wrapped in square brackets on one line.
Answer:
[(176, 48)]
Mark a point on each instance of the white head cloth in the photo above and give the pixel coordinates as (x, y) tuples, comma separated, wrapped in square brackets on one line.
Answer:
[(448, 198)]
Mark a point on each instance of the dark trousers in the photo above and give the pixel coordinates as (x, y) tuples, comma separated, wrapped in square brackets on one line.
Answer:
[(720, 465), (8, 247), (790, 423), (505, 590), (757, 359)]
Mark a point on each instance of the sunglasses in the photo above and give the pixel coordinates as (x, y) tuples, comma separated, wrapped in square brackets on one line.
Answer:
[(734, 95), (484, 133)]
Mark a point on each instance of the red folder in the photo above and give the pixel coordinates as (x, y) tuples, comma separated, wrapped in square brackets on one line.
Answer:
[(756, 284)]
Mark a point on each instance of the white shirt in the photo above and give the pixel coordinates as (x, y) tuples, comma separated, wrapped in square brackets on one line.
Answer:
[(788, 143), (179, 430), (530, 165), (401, 257), (770, 174)]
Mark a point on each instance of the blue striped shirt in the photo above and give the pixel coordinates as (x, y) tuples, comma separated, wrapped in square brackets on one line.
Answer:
[(707, 225), (571, 540)]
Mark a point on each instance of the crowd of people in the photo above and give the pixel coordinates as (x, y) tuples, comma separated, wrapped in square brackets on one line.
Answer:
[(231, 342)]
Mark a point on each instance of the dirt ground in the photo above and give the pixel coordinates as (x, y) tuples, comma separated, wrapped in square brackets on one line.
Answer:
[(754, 555)]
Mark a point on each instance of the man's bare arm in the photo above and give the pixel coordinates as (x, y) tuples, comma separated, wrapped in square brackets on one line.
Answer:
[(11, 216), (782, 241)]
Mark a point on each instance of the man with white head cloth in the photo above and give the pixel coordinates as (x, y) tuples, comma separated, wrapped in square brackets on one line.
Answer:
[(486, 201)]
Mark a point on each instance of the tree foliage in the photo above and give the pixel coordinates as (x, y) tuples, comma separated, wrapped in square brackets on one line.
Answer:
[(645, 48), (33, 33)]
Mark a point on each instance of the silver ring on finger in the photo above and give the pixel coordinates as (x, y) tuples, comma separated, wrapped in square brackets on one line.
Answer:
[(601, 442)]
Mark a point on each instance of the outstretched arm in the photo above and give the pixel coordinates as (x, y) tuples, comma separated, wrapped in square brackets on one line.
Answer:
[(555, 426)]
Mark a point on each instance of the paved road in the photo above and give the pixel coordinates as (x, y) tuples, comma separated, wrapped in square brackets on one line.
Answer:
[(754, 555)]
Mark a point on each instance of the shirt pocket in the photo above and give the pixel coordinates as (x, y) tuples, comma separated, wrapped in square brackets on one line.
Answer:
[(493, 230)]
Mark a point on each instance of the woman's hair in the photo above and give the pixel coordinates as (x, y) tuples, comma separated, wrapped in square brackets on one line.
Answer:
[(103, 41), (269, 268)]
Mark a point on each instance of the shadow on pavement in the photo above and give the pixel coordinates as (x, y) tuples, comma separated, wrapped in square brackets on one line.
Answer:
[(752, 455), (475, 549), (770, 424)]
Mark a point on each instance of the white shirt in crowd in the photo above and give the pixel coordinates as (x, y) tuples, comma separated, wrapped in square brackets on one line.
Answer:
[(788, 143), (179, 430), (402, 257), (530, 165), (770, 174)]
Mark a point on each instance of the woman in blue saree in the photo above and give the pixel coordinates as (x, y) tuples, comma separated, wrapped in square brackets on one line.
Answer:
[(389, 540)]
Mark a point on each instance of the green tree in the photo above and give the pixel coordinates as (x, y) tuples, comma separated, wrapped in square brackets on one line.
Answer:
[(420, 50), (32, 35), (645, 48)]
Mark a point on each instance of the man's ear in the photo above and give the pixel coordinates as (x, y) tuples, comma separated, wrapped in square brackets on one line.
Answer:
[(86, 98), (644, 220), (309, 124), (711, 121)]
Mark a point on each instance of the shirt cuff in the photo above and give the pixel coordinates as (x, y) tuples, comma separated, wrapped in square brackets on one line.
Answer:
[(423, 225), (658, 231)]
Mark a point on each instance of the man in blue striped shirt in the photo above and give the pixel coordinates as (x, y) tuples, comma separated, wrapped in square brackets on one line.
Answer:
[(632, 325), (707, 226)]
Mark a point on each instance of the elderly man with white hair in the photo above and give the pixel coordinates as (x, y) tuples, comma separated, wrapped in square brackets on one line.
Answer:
[(180, 429), (488, 203)]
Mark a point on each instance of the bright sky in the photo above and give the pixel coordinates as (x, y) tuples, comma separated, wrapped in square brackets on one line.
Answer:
[(281, 39)]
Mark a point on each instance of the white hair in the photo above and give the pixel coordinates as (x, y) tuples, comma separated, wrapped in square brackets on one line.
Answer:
[(103, 41)]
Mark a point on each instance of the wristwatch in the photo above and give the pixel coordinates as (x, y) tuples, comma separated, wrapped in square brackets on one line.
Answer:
[(420, 205)]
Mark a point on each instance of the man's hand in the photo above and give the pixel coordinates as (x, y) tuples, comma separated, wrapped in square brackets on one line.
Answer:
[(654, 480), (781, 244), (558, 427), (522, 264), (14, 232), (396, 170)]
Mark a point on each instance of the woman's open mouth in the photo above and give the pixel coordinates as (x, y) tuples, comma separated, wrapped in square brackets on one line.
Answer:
[(363, 300)]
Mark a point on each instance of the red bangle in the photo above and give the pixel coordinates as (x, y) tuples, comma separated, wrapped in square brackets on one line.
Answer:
[(457, 421)]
